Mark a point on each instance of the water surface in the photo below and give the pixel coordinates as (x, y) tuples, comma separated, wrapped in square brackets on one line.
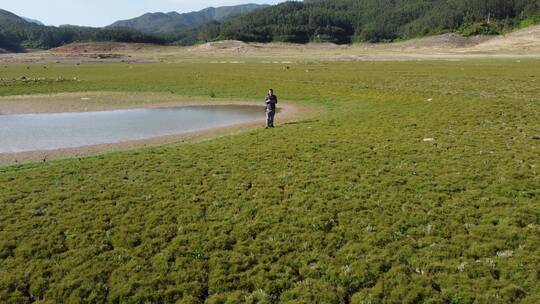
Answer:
[(30, 132)]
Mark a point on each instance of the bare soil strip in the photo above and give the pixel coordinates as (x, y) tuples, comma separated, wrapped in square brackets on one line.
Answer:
[(523, 43)]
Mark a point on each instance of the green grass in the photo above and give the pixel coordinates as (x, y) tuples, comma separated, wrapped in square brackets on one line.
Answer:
[(351, 206), (529, 21)]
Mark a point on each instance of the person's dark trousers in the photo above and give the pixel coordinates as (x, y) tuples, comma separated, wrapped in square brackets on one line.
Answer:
[(270, 118)]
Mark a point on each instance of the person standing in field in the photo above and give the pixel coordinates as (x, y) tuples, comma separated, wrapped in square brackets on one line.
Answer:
[(271, 101)]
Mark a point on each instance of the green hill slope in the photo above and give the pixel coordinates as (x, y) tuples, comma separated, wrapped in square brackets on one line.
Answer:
[(7, 18), (12, 27)]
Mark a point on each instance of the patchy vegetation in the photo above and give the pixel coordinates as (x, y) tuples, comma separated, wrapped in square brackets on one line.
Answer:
[(24, 79), (418, 183)]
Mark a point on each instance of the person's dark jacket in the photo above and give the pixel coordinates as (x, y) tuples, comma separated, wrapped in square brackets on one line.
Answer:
[(271, 101)]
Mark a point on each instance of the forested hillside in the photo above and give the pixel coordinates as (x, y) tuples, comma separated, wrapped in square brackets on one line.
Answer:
[(344, 21)]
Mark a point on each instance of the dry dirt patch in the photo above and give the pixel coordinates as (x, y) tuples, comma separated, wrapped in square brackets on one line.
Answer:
[(519, 44)]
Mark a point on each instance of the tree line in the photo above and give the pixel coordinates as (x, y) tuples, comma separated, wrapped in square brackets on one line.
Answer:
[(337, 21)]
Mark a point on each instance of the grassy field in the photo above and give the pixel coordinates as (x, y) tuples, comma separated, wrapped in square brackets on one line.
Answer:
[(354, 205)]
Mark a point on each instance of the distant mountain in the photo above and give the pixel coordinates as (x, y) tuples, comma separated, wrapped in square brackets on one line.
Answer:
[(153, 23), (33, 21), (18, 33)]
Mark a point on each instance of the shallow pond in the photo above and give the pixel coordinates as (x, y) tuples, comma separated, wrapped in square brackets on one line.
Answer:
[(30, 132)]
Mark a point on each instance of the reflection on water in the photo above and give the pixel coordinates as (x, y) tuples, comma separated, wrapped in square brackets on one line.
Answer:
[(29, 132)]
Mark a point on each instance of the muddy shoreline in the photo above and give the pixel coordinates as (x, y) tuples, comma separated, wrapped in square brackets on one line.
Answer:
[(287, 113)]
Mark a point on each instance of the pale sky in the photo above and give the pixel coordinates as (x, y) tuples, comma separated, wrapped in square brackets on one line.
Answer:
[(105, 12)]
